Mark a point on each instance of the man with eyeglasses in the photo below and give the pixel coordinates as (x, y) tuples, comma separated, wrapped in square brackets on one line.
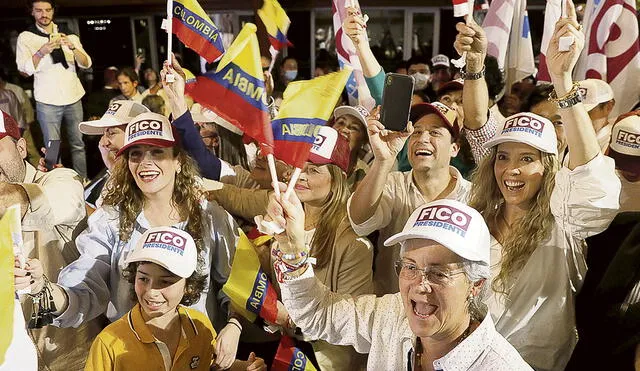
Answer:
[(436, 321)]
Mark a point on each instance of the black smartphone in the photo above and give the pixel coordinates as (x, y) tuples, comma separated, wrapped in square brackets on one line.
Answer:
[(53, 154), (396, 101)]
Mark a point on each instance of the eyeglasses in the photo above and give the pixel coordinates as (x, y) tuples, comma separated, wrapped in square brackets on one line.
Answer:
[(438, 275)]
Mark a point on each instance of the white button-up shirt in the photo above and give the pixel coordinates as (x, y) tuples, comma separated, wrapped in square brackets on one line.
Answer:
[(379, 326), (538, 315), (52, 83)]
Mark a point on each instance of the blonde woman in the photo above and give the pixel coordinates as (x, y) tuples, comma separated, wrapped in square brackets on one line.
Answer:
[(153, 183), (343, 260), (538, 214)]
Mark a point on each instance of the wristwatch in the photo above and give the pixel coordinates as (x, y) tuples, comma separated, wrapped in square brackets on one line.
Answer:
[(570, 99), (472, 75)]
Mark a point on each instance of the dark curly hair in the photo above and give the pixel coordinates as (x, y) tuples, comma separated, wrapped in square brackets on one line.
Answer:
[(540, 93), (193, 287)]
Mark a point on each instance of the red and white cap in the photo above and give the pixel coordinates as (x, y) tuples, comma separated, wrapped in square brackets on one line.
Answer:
[(330, 147), (8, 126), (120, 112), (453, 85), (440, 60), (199, 113), (452, 224), (170, 248), (594, 92), (359, 112), (528, 128), (625, 142), (448, 116), (149, 128)]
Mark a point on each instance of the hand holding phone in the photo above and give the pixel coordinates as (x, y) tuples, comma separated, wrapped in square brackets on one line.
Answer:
[(55, 38), (52, 157), (396, 101)]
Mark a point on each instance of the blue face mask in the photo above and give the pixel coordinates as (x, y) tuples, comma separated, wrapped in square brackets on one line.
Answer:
[(290, 75)]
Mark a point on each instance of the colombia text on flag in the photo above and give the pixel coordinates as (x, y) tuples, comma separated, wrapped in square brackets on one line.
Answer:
[(196, 30), (289, 357), (307, 105), (235, 91), (277, 23), (248, 286)]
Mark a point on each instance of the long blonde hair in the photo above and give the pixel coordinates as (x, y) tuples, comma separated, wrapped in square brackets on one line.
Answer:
[(529, 232), (332, 213), (123, 192)]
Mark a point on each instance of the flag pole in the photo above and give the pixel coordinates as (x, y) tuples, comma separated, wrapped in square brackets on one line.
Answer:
[(292, 181), (274, 54), (274, 176), (169, 77)]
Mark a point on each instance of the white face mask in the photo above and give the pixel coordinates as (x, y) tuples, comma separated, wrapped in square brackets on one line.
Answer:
[(420, 80)]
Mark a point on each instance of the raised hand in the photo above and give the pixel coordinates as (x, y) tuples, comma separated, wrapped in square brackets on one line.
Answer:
[(386, 144), (175, 89), (472, 39), (561, 63), (354, 26)]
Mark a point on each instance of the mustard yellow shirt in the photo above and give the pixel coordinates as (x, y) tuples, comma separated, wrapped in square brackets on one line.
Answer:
[(128, 344)]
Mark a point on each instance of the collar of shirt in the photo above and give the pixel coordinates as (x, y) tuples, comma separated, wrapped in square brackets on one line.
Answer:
[(144, 334), (30, 173), (453, 172), (55, 28)]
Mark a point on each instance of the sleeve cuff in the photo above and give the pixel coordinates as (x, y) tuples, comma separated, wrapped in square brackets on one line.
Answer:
[(366, 227), (66, 318)]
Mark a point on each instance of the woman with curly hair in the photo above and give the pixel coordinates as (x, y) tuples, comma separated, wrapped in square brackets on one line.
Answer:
[(153, 183), (539, 214)]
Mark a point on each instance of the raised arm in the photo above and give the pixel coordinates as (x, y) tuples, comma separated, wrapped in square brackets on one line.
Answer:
[(581, 138), (475, 95), (354, 27), (385, 145)]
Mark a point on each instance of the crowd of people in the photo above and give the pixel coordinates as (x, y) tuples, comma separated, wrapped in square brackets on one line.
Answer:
[(500, 230)]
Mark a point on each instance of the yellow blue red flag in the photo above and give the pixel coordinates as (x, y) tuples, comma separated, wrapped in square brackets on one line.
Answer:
[(8, 228), (236, 91), (289, 357), (196, 30), (276, 22), (248, 286), (307, 105)]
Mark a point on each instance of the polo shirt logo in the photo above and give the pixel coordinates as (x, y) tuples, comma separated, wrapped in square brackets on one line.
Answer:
[(195, 362)]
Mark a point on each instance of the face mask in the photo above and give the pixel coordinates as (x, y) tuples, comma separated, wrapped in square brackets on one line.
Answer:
[(290, 75), (421, 80)]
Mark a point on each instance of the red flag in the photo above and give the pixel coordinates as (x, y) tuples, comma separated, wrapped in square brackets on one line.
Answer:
[(611, 51)]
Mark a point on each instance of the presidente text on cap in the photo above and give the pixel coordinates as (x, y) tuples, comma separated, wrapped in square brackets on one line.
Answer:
[(170, 248), (120, 112), (149, 128), (9, 126), (452, 224), (625, 142), (528, 128), (594, 92), (330, 147), (449, 116)]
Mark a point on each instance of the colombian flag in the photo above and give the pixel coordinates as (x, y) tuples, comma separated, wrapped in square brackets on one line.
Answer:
[(235, 91), (307, 105), (196, 30), (277, 23), (7, 290), (248, 286), (289, 357)]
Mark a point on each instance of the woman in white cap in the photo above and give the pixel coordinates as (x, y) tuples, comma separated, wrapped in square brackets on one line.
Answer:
[(153, 183), (436, 322), (539, 215), (343, 260)]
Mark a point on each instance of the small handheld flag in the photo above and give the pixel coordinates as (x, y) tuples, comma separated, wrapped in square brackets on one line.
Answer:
[(276, 22), (288, 357), (195, 29), (248, 287), (7, 291)]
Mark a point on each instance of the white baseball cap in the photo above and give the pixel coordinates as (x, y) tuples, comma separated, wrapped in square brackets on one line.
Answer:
[(120, 112), (625, 142), (199, 113), (452, 224), (170, 248), (148, 128), (330, 147), (359, 112), (594, 92), (528, 128), (440, 60)]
